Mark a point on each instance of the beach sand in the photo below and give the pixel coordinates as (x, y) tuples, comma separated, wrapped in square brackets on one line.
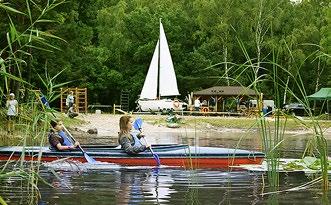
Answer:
[(108, 125)]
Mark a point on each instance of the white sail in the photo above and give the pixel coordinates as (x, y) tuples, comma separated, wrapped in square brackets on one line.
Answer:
[(163, 85), (167, 81), (149, 90)]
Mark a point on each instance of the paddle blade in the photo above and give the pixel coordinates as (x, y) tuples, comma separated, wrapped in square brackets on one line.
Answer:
[(138, 123), (89, 159), (157, 159)]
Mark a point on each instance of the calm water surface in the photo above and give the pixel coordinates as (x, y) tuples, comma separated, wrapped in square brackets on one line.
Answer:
[(114, 184)]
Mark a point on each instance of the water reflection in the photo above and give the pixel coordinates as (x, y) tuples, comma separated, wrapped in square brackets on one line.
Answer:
[(143, 185), (119, 185), (130, 186), (136, 185)]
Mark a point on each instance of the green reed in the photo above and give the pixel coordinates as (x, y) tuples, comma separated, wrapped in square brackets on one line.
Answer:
[(32, 122), (272, 132)]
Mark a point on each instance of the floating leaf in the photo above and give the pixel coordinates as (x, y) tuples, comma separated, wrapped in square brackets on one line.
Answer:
[(291, 166), (309, 160)]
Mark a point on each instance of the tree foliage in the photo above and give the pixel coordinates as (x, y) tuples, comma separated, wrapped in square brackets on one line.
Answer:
[(107, 45)]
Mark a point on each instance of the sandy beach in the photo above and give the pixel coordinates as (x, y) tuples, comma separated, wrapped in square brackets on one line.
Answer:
[(107, 125)]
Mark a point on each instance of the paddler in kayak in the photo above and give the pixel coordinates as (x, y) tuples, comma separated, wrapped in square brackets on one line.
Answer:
[(58, 139), (129, 139)]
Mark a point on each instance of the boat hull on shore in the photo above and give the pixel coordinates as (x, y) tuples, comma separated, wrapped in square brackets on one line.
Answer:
[(170, 155)]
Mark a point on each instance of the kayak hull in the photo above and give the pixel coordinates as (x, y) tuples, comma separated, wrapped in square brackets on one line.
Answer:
[(170, 155)]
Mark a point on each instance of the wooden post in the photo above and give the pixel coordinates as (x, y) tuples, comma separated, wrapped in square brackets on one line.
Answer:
[(61, 100), (215, 106), (85, 100), (76, 98)]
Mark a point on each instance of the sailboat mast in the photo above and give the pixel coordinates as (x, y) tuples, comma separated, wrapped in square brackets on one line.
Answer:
[(158, 64)]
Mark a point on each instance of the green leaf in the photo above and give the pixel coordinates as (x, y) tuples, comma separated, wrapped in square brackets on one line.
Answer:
[(9, 43), (13, 32), (8, 75), (11, 9), (17, 60), (39, 48), (24, 52), (2, 202), (51, 35), (45, 21), (29, 10)]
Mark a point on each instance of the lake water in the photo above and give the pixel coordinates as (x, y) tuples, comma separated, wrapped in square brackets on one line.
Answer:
[(113, 184)]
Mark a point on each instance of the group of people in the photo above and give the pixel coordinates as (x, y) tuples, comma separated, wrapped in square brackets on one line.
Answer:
[(198, 103), (13, 110), (129, 139), (59, 139)]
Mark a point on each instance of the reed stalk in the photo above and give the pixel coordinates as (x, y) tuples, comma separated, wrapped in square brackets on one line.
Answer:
[(273, 136), (32, 124)]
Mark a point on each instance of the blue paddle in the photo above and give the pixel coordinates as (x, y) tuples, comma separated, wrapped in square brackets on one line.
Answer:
[(87, 157), (138, 125)]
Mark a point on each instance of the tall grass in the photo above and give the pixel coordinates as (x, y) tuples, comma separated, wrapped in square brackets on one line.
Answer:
[(272, 132), (32, 124), (259, 72)]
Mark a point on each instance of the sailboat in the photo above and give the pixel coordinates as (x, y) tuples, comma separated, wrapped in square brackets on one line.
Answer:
[(160, 81)]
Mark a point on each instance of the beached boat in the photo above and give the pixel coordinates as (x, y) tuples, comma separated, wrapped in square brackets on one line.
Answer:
[(169, 154), (160, 82)]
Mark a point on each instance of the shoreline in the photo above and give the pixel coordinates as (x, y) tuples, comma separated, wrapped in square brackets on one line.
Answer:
[(107, 124)]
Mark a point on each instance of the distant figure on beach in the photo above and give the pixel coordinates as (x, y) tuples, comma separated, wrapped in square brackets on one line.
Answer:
[(204, 103), (212, 103), (70, 99), (58, 138), (197, 104), (12, 112), (128, 139), (73, 111)]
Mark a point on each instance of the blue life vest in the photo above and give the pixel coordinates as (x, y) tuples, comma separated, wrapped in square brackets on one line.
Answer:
[(66, 140), (137, 142)]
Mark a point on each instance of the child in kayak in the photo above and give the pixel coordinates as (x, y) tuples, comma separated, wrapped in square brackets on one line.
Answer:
[(58, 139), (128, 139)]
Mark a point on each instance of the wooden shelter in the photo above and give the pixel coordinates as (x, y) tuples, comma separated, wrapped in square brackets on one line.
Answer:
[(215, 98)]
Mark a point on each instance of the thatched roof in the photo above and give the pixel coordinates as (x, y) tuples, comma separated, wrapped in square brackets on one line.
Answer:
[(226, 91)]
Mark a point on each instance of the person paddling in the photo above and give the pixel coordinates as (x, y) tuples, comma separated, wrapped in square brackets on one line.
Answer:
[(58, 139), (128, 139)]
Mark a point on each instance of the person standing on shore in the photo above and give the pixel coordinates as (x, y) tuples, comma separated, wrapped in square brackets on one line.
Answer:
[(70, 99), (128, 139), (12, 112), (197, 104)]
